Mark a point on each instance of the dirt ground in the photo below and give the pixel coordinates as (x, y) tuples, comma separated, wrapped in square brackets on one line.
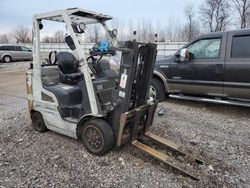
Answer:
[(219, 134), (12, 85)]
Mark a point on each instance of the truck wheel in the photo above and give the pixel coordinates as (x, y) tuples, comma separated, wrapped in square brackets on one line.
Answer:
[(156, 91), (38, 122), (97, 137), (7, 59)]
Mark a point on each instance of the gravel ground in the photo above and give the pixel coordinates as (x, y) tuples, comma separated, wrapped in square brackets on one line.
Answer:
[(220, 134)]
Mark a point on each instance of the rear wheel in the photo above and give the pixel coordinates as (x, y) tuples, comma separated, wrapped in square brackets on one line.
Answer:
[(98, 137), (38, 122), (7, 59), (156, 91)]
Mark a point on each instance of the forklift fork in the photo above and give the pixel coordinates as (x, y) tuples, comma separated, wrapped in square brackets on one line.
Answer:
[(133, 118), (140, 132)]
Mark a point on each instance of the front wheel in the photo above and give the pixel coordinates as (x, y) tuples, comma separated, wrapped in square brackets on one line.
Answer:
[(7, 59), (38, 122), (156, 91), (98, 137)]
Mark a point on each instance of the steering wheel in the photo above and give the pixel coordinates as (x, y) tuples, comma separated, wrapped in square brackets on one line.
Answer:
[(51, 54), (91, 58), (92, 63)]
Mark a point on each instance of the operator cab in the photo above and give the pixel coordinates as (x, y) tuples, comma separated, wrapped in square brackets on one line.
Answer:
[(61, 72)]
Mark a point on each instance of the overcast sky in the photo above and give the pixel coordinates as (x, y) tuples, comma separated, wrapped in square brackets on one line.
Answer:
[(19, 12)]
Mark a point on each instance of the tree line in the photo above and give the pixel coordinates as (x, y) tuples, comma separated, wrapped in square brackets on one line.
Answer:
[(211, 16)]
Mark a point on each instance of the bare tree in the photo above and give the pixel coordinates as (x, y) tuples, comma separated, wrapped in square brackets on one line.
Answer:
[(161, 32), (93, 33), (4, 38), (131, 29), (243, 9), (22, 34), (178, 32), (174, 31), (47, 39), (170, 28), (58, 37), (145, 31), (215, 14), (190, 28)]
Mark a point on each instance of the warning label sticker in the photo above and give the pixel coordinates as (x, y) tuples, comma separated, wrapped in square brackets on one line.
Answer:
[(123, 81)]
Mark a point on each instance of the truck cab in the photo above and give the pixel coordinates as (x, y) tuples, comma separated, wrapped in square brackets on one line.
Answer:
[(213, 68)]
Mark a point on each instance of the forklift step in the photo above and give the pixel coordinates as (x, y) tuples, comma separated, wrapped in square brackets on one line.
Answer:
[(166, 159), (216, 101)]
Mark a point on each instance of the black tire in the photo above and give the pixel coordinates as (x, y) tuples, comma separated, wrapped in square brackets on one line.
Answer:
[(6, 59), (38, 122), (158, 88), (97, 137)]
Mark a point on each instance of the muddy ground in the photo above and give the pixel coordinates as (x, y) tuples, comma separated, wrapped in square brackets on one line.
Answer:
[(219, 134)]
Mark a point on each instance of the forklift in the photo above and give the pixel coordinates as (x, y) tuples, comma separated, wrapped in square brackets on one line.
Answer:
[(81, 96)]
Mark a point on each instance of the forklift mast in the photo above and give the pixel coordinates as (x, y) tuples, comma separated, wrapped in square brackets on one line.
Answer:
[(136, 70)]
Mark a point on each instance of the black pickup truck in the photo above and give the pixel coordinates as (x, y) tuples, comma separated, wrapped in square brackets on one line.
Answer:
[(212, 68)]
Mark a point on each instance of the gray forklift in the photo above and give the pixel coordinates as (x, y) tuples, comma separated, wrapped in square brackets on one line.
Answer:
[(81, 96)]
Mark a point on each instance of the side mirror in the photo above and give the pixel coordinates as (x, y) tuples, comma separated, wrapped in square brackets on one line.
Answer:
[(184, 55), (40, 26), (114, 32), (82, 27)]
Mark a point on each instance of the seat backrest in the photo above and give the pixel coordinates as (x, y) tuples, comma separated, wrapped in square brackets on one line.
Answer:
[(67, 62)]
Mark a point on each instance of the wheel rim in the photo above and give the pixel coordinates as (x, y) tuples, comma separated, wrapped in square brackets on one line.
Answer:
[(7, 59), (93, 138), (38, 124), (152, 93)]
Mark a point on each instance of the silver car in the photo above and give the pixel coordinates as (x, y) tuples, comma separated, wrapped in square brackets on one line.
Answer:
[(9, 53)]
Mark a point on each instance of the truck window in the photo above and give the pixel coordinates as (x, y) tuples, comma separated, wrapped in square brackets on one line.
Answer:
[(206, 48), (240, 47)]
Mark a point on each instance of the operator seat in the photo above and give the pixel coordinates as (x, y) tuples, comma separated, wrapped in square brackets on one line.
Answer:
[(68, 65)]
